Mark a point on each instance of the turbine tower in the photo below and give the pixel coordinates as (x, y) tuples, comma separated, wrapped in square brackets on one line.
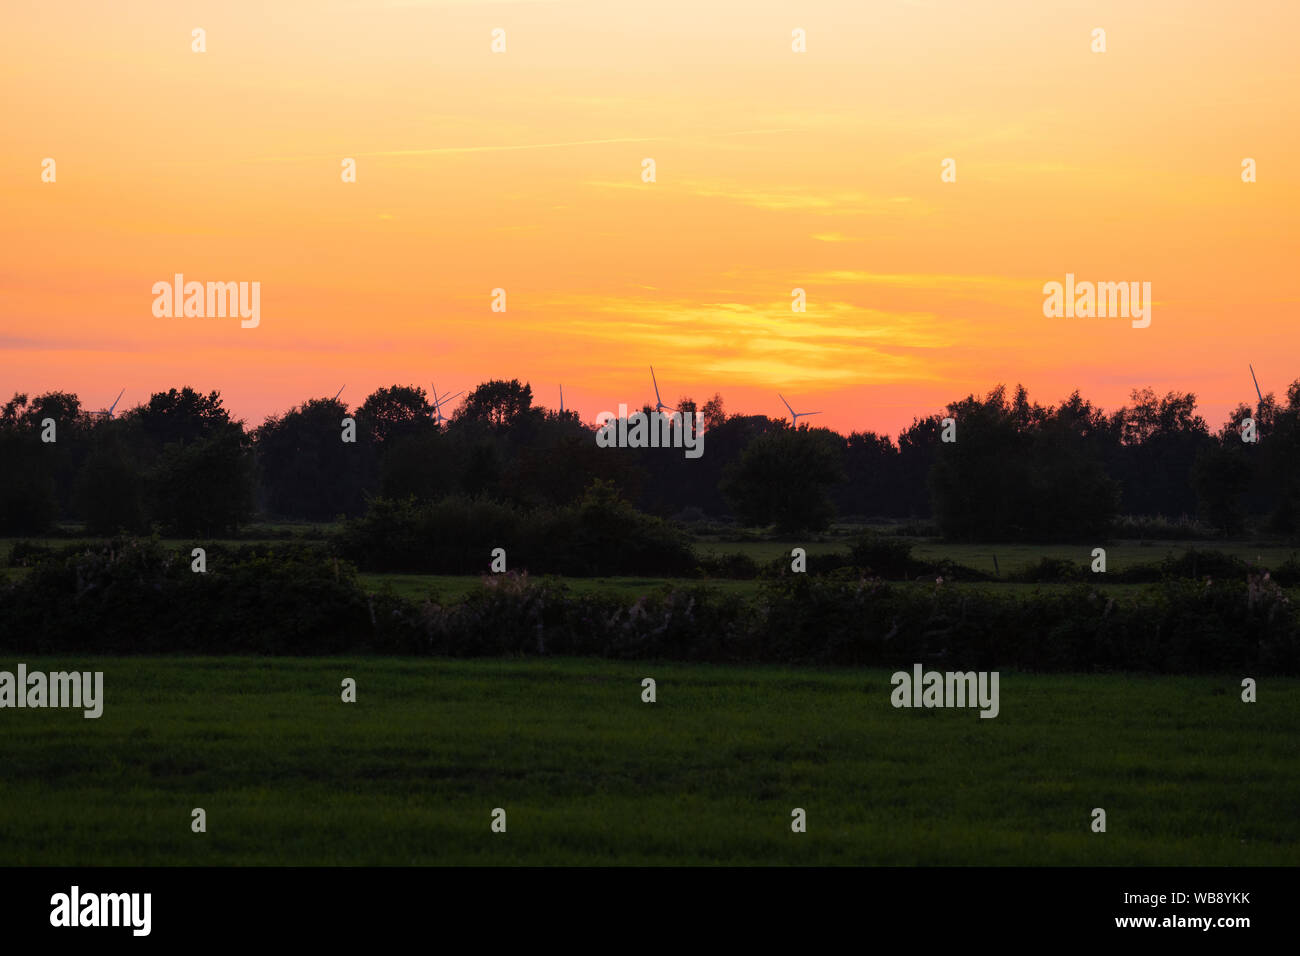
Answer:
[(794, 416), (438, 417), (108, 412), (659, 402)]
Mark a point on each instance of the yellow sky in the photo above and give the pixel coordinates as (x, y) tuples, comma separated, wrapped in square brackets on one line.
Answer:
[(775, 170)]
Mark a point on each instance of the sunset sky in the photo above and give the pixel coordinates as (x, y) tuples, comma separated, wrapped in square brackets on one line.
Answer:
[(775, 170)]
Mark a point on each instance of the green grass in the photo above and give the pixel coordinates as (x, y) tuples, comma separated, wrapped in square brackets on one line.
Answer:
[(288, 774)]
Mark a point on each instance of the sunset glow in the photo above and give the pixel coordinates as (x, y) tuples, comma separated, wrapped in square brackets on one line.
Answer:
[(774, 171)]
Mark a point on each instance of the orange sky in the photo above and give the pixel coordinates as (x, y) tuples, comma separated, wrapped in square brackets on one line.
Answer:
[(775, 170)]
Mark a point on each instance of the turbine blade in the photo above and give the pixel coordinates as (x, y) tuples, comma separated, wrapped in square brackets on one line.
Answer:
[(784, 402), (656, 381), (1256, 381)]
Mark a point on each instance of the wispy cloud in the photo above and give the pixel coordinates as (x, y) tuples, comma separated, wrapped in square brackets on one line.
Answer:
[(836, 343), (511, 147), (784, 198), (929, 281)]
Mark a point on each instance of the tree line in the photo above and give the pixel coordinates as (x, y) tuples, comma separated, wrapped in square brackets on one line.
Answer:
[(1015, 470)]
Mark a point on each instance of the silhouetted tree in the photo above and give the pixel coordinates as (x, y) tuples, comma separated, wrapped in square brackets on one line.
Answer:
[(111, 494), (397, 411), (307, 470), (783, 478), (497, 403), (1018, 470), (181, 416), (204, 487)]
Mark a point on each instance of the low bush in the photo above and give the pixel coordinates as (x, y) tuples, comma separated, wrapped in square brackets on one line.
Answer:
[(138, 597), (599, 535), (135, 596)]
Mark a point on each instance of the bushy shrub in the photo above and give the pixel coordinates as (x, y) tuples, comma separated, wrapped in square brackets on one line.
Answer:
[(599, 535), (139, 597), (24, 554), (885, 557), (453, 536), (1193, 565), (734, 565), (1288, 572), (604, 534), (136, 596)]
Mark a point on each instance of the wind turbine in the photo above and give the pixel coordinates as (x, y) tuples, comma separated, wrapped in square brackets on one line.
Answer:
[(108, 412), (1256, 381), (794, 416), (438, 416), (659, 402)]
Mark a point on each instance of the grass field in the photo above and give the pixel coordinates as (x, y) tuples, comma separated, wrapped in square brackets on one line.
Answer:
[(587, 773)]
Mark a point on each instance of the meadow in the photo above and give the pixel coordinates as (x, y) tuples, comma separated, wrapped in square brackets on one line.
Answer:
[(589, 774)]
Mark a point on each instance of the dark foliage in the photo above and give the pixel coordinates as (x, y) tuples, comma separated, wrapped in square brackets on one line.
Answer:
[(602, 534), (136, 597)]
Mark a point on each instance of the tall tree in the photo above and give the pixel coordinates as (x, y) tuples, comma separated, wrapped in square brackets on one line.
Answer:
[(307, 470), (397, 411), (784, 478), (497, 403)]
